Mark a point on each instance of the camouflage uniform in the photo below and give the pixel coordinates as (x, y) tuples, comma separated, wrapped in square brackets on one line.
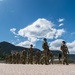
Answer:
[(21, 59), (59, 57), (6, 59), (10, 59), (51, 56), (48, 56), (24, 56), (14, 58), (46, 49), (30, 55), (37, 57), (64, 49), (17, 58), (42, 59)]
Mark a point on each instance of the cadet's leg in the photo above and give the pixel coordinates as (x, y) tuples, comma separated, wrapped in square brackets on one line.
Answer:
[(52, 60), (64, 61), (31, 60), (67, 60)]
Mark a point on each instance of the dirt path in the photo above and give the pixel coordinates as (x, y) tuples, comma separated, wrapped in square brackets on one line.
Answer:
[(14, 69)]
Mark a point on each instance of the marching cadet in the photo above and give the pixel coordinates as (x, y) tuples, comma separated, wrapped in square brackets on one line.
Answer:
[(14, 57), (6, 59), (24, 56), (30, 54), (17, 57), (10, 59), (64, 49), (46, 49), (52, 57), (37, 57)]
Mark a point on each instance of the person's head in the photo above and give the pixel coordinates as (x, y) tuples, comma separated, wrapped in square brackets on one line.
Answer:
[(31, 45), (45, 39), (63, 42)]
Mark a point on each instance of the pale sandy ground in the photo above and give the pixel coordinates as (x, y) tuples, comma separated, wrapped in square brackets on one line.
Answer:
[(20, 69)]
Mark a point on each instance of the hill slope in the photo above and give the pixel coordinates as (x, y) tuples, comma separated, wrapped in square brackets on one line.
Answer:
[(6, 48)]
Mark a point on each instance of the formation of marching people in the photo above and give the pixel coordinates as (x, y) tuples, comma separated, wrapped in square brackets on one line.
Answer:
[(40, 57)]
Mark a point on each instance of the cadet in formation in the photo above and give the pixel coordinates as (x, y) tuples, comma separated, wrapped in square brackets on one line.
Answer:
[(17, 57), (10, 59), (46, 50), (37, 57), (6, 59), (64, 49), (42, 59), (14, 57), (30, 54), (24, 56), (52, 57)]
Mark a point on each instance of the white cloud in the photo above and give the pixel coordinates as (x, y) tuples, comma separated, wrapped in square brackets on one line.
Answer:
[(71, 46), (61, 20), (13, 30), (61, 24), (59, 33), (25, 44), (41, 28), (38, 29), (55, 45), (33, 39)]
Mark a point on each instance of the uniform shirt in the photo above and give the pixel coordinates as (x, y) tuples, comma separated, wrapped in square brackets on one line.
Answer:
[(64, 48)]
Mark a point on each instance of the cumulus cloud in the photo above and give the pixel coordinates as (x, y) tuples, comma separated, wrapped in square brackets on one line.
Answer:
[(13, 30), (71, 46), (59, 33), (41, 28), (25, 44), (55, 45), (38, 29), (61, 24), (61, 20)]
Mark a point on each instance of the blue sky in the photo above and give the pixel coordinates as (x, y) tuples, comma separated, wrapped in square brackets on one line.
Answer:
[(23, 22)]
